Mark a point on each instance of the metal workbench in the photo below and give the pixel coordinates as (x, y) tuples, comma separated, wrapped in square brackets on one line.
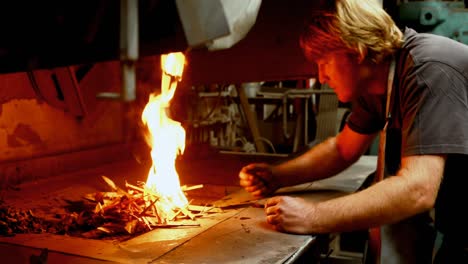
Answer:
[(239, 235)]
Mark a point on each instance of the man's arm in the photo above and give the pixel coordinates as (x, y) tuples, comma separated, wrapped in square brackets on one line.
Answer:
[(413, 190), (324, 160)]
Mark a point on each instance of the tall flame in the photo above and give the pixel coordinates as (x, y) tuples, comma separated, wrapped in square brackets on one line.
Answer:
[(167, 137)]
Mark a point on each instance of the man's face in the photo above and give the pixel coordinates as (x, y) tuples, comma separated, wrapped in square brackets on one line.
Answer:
[(341, 72)]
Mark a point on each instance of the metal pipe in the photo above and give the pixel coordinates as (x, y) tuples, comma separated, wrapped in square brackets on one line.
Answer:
[(128, 47), (128, 52)]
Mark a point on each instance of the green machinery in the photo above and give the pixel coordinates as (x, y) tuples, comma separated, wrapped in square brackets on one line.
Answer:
[(446, 18)]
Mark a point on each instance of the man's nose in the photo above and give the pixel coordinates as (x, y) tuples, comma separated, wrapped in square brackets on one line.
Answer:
[(323, 78)]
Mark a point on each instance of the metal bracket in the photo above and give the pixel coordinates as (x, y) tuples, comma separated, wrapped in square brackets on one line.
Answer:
[(129, 41), (59, 88)]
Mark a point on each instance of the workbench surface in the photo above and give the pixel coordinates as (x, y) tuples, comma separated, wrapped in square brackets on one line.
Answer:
[(237, 235)]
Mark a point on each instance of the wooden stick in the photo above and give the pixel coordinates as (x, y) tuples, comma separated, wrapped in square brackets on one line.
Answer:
[(143, 190), (175, 215), (187, 213), (147, 223), (131, 186), (203, 209), (194, 187), (152, 203), (175, 225)]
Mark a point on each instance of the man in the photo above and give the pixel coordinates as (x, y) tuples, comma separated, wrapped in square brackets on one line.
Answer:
[(354, 43)]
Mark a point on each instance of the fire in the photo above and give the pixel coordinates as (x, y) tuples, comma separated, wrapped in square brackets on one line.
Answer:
[(167, 139)]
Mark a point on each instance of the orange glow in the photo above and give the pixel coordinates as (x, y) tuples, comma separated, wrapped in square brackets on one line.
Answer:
[(167, 139)]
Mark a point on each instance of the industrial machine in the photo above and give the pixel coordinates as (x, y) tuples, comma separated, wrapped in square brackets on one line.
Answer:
[(445, 18)]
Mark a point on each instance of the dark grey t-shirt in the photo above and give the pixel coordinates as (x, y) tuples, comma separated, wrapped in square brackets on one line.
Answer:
[(429, 110)]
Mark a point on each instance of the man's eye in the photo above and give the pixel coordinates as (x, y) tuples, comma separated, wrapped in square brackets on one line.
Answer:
[(321, 65)]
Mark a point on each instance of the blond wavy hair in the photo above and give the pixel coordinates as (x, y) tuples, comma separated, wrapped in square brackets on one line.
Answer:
[(360, 27)]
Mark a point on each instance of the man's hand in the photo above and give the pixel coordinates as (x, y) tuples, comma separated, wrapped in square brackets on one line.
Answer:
[(289, 214), (258, 179)]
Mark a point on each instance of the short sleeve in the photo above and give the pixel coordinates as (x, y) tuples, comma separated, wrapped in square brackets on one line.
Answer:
[(435, 111)]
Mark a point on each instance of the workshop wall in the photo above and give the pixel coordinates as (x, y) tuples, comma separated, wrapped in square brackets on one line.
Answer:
[(31, 127), (38, 139)]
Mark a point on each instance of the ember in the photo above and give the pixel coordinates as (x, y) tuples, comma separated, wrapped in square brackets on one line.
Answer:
[(13, 221)]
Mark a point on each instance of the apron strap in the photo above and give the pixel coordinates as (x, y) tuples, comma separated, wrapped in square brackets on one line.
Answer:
[(375, 243)]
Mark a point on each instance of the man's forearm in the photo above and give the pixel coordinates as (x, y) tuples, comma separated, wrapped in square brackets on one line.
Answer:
[(413, 190), (322, 161)]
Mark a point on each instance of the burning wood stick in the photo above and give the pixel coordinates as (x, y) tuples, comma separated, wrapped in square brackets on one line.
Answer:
[(156, 202), (177, 225), (203, 209), (149, 206), (194, 187), (112, 185), (136, 210), (142, 190)]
